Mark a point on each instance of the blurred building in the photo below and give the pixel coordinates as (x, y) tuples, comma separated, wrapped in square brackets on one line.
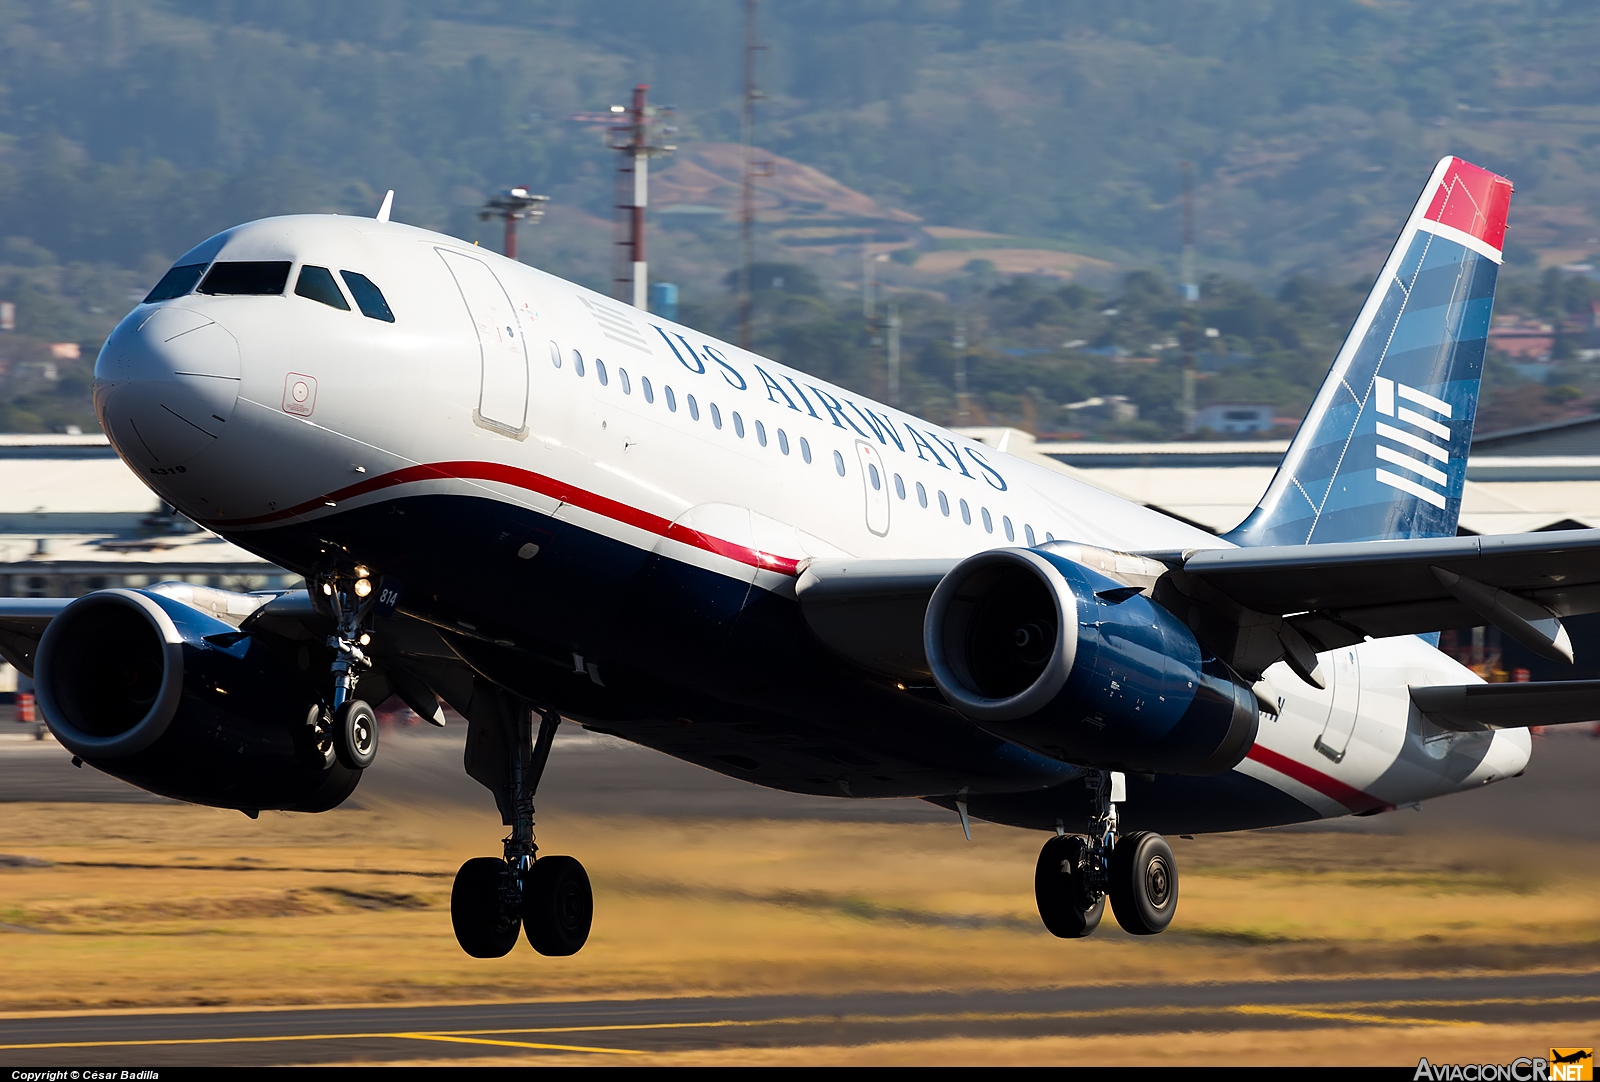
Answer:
[(75, 518)]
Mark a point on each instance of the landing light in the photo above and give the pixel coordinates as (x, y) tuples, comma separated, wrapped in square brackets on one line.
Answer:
[(366, 639), (363, 587), (327, 588)]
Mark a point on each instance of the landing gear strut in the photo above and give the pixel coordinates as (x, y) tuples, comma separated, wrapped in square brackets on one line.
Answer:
[(351, 726), (1076, 875), (549, 898)]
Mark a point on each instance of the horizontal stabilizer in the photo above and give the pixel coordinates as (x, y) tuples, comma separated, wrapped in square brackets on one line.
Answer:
[(1473, 708), (1337, 595)]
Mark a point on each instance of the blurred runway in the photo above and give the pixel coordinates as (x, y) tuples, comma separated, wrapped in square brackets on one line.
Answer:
[(590, 774), (614, 1031)]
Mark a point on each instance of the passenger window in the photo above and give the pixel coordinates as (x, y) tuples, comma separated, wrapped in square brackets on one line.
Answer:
[(627, 386), (899, 486), (1027, 532), (577, 362), (716, 416), (694, 407), (1005, 520), (922, 495), (672, 400), (369, 298), (175, 283), (761, 433), (838, 463), (944, 504), (988, 523), (966, 513), (317, 284), (555, 354), (872, 475), (246, 279), (805, 450), (600, 372), (783, 441), (738, 425), (1049, 538)]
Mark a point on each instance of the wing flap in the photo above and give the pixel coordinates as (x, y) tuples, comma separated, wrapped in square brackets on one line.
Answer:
[(1472, 708)]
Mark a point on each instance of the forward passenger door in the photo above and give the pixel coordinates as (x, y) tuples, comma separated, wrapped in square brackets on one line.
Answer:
[(503, 380)]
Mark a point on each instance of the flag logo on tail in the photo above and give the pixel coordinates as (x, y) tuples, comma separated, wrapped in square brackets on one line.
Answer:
[(1410, 445)]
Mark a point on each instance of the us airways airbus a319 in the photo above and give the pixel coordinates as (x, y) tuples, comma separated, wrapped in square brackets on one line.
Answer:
[(530, 502)]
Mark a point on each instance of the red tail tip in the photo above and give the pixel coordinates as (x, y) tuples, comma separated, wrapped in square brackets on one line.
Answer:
[(1474, 201)]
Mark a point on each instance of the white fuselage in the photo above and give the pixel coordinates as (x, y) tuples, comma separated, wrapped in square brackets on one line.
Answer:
[(667, 440)]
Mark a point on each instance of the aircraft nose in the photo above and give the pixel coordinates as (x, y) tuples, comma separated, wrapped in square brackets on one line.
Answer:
[(165, 385)]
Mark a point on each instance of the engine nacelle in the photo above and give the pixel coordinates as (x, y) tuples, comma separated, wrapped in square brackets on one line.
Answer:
[(173, 700), (1057, 657)]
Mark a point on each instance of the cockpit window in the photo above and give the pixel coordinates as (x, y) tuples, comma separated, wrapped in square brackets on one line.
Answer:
[(369, 298), (176, 282), (246, 279), (317, 284)]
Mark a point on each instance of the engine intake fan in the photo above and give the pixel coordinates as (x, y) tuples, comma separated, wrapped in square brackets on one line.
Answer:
[(173, 700), (1057, 657)]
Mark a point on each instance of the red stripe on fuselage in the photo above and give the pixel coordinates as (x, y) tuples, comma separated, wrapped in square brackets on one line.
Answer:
[(1352, 798), (545, 486)]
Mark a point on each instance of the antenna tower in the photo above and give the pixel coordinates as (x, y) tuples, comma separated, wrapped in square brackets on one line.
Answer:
[(637, 137), (752, 169), (514, 205), (1191, 293)]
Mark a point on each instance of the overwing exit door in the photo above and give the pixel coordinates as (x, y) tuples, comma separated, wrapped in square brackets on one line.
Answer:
[(503, 380), (1346, 707), (877, 485)]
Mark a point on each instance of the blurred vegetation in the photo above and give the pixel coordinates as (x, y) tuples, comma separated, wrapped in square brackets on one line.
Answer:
[(132, 129)]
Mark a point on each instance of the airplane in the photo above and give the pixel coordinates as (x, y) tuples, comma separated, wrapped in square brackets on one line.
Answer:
[(515, 496)]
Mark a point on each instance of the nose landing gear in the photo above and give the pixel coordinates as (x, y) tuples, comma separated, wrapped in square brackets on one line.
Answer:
[(1075, 876), (351, 727), (549, 897)]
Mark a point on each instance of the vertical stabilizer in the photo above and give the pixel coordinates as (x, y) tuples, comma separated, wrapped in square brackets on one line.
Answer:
[(1382, 452)]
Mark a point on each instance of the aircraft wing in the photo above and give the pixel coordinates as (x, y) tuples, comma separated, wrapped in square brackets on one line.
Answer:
[(1471, 708), (1339, 594), (871, 611), (22, 622)]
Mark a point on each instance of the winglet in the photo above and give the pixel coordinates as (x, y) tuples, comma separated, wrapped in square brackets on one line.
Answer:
[(388, 204)]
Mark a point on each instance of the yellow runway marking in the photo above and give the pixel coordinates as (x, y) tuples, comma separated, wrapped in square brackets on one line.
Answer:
[(1361, 1013), (279, 1038)]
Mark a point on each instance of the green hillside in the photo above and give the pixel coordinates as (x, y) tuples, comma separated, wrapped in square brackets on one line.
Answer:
[(129, 130)]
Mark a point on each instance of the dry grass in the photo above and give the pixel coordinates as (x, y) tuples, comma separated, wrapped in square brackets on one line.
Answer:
[(184, 906), (1394, 1046)]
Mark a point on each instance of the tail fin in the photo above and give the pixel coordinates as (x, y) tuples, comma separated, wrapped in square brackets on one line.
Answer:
[(1382, 453)]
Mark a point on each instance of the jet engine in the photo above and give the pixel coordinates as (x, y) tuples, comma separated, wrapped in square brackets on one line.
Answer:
[(173, 700), (1053, 655)]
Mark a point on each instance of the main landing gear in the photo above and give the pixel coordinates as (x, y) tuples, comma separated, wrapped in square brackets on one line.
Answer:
[(1075, 876), (548, 898)]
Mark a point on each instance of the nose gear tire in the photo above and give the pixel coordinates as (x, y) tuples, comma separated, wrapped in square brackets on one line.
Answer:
[(1144, 883), (483, 908), (355, 734), (557, 906), (1065, 904)]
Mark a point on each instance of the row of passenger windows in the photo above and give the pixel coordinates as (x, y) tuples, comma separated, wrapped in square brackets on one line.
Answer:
[(646, 388), (268, 279), (966, 509), (670, 397)]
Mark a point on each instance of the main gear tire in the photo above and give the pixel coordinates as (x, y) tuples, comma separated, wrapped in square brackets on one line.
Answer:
[(1065, 904), (483, 908), (1144, 883), (557, 906)]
